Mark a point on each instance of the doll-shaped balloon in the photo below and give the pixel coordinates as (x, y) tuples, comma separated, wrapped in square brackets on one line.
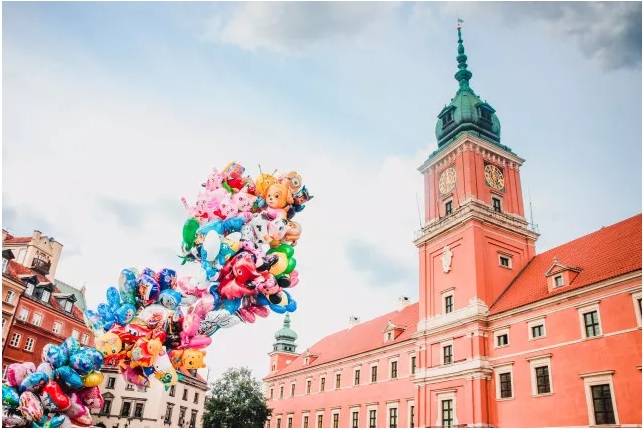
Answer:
[(262, 183), (250, 310), (189, 358), (170, 299), (244, 202), (292, 180), (233, 176), (148, 290), (134, 376), (287, 304), (214, 181), (299, 201), (128, 285), (145, 352), (189, 335), (236, 274), (278, 200), (163, 369), (286, 264), (293, 232)]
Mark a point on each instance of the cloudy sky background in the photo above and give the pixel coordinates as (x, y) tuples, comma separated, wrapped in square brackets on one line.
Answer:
[(114, 111)]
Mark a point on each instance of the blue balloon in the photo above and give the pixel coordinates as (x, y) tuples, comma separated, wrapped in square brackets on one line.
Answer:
[(10, 396), (170, 299), (71, 346), (82, 363), (232, 305), (55, 421), (33, 382), (54, 355), (125, 314), (167, 277), (113, 297), (67, 377)]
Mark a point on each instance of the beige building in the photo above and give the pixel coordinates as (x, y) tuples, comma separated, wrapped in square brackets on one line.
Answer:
[(129, 406)]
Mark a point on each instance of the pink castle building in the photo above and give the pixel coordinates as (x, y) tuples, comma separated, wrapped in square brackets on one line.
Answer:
[(501, 336)]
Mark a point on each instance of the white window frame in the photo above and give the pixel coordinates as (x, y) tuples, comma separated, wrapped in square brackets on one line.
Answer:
[(26, 313), (46, 295), (355, 369), (10, 297), (446, 395), (54, 327), (504, 368), (85, 339), (508, 257), (540, 361), (388, 336), (320, 383), (290, 417), (368, 416), (19, 340), (4, 372), (70, 305), (37, 316), (30, 347), (305, 414), (317, 415), (498, 333), (30, 288), (581, 319), (351, 411), (562, 280), (311, 387), (390, 406), (390, 368), (635, 298), (499, 198), (22, 253), (75, 334), (442, 345), (335, 380), (370, 374), (5, 263), (445, 203), (533, 323), (293, 389), (339, 417), (599, 378), (411, 356), (408, 413), (444, 294)]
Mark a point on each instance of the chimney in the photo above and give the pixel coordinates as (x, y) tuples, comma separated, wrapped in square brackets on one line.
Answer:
[(353, 321), (402, 302)]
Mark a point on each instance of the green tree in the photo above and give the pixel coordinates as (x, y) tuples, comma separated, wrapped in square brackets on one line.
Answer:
[(236, 400)]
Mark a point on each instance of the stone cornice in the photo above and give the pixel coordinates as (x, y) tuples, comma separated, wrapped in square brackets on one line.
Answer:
[(470, 210), (468, 142), (476, 367), (477, 310)]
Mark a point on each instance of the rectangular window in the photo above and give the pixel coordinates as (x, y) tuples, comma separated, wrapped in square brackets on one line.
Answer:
[(10, 297), (447, 119), (393, 369), (85, 340), (558, 281), (412, 419), (37, 320), (15, 340), (5, 263), (278, 423), (448, 208), (4, 321), (185, 394), (168, 414), (447, 353), (496, 204), (58, 327), (30, 288), (138, 410), (603, 408), (281, 392), (193, 418), (107, 407), (29, 344), (289, 422), (172, 390), (130, 387), (357, 374), (389, 336), (271, 394), (322, 384), (320, 421), (355, 419), (542, 380), (338, 380), (111, 382), (45, 296), (372, 418), (374, 374), (447, 413), (309, 384), (292, 390), (75, 334), (592, 327), (392, 418), (448, 304), (306, 421), (335, 420), (503, 339), (68, 306), (505, 385), (537, 331), (196, 397), (125, 410), (24, 314), (505, 261), (413, 365)]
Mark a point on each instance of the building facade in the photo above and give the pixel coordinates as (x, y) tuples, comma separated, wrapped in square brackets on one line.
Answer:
[(501, 336), (37, 309), (125, 405)]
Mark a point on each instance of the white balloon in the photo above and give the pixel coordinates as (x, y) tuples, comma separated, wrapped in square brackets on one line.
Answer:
[(211, 245)]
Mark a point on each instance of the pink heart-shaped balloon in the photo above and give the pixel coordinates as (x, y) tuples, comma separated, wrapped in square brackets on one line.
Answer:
[(53, 398), (30, 406), (17, 372), (76, 407), (91, 397)]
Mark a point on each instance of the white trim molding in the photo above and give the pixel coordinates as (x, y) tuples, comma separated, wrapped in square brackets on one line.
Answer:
[(409, 423), (305, 414), (637, 310), (501, 369), (497, 334), (446, 395), (535, 323), (352, 410), (442, 346), (370, 408), (598, 378), (581, 319), (317, 415), (540, 361)]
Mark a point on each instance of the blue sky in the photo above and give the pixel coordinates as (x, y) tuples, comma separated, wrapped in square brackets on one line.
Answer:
[(119, 109)]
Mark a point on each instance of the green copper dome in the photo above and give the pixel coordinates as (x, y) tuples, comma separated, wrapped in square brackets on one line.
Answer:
[(466, 112), (285, 337)]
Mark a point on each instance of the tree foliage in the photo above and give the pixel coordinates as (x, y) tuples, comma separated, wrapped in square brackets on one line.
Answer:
[(236, 400)]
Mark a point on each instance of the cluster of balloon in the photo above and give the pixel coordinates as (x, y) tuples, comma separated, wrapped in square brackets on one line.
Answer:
[(241, 236), (58, 393)]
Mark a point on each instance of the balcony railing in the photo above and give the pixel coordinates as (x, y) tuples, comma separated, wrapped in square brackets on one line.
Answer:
[(41, 266)]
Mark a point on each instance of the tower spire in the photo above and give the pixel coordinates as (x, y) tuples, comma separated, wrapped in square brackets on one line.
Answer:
[(463, 74)]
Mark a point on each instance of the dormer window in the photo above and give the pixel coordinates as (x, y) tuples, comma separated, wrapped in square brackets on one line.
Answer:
[(560, 275), (43, 291), (485, 114), (447, 119), (30, 288), (5, 263), (446, 116), (558, 280), (45, 296), (68, 306)]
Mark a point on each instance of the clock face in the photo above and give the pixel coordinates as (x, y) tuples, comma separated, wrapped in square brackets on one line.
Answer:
[(494, 177), (447, 180)]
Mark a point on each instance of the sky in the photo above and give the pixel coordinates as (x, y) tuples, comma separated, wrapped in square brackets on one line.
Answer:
[(114, 111)]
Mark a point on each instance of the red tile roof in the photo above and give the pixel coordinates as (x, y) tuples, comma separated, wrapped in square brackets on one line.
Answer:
[(360, 338), (12, 239), (611, 251), (15, 270)]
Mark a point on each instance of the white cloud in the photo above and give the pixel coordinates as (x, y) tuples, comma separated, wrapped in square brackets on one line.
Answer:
[(87, 143), (291, 27)]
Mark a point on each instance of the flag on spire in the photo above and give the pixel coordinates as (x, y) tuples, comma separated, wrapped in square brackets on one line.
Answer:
[(460, 21)]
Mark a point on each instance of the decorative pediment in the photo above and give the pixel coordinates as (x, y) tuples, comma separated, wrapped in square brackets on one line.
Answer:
[(309, 357), (557, 267), (31, 279), (392, 331), (560, 275)]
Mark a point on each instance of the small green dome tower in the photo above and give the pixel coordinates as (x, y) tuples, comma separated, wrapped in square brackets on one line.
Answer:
[(466, 112), (285, 337)]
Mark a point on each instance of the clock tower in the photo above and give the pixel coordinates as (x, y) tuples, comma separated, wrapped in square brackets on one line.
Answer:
[(474, 242)]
